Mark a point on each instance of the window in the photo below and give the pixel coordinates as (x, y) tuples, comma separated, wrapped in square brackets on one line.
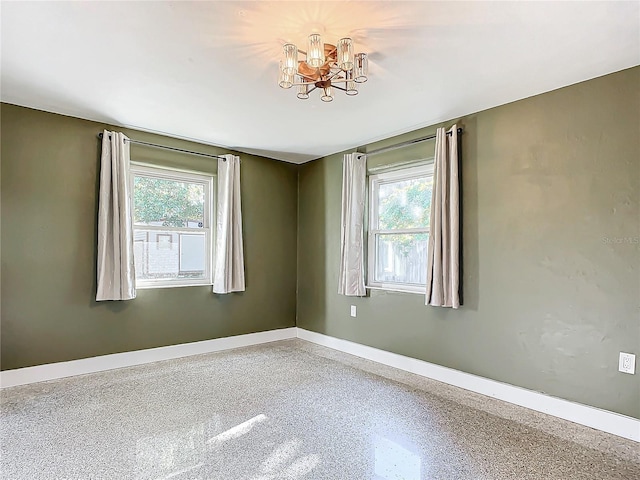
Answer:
[(399, 212), (172, 212)]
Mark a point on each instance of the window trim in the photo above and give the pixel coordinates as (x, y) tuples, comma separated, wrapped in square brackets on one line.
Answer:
[(375, 181), (179, 175)]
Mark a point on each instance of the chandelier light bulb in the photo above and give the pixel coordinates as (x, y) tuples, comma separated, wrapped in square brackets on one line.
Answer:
[(315, 51), (345, 54), (361, 68), (327, 95), (284, 79), (290, 62), (303, 91), (351, 87)]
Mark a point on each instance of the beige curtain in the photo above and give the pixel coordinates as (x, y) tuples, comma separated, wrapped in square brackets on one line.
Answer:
[(116, 272), (443, 269), (354, 180), (228, 272)]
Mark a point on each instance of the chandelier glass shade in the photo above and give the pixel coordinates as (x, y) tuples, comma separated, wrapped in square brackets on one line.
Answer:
[(325, 68)]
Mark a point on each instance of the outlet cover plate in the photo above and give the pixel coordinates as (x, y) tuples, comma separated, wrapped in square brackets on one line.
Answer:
[(627, 363), (353, 310)]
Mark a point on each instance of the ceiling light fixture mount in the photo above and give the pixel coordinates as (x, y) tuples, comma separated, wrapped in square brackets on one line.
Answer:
[(326, 67)]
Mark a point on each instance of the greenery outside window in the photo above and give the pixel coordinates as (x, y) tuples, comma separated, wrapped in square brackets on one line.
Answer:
[(172, 218), (399, 213)]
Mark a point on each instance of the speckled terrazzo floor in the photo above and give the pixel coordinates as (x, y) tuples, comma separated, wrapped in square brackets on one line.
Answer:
[(288, 410)]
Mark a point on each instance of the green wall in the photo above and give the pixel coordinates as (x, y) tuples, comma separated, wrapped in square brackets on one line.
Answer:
[(551, 245), (50, 166)]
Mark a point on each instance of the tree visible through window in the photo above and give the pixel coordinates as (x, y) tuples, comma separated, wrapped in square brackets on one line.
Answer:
[(400, 206), (170, 203)]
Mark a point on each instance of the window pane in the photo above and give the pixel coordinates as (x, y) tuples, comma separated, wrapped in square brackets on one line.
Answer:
[(167, 255), (168, 203), (405, 203), (401, 258)]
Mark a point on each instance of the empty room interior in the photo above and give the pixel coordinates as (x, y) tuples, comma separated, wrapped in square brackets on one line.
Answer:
[(358, 240)]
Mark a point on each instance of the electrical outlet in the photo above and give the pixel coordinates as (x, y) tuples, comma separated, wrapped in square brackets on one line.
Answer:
[(627, 363), (353, 310)]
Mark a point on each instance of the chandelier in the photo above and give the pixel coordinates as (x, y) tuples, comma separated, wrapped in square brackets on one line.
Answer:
[(325, 68)]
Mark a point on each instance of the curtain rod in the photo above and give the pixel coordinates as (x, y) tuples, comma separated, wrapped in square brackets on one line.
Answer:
[(173, 149), (407, 143)]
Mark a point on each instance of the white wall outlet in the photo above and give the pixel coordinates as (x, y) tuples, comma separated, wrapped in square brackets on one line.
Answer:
[(627, 363), (353, 310)]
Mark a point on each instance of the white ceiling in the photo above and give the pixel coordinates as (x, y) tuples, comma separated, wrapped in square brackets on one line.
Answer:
[(207, 71)]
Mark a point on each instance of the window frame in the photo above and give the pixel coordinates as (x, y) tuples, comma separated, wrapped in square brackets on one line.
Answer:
[(188, 176), (375, 180)]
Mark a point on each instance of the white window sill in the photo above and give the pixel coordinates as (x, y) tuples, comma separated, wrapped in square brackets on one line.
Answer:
[(152, 286), (385, 288)]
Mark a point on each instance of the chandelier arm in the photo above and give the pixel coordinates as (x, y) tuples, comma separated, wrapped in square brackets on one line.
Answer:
[(339, 80), (338, 88), (297, 84), (333, 74)]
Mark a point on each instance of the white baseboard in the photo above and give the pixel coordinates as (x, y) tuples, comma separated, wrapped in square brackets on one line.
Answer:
[(604, 420), (593, 417), (52, 371)]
